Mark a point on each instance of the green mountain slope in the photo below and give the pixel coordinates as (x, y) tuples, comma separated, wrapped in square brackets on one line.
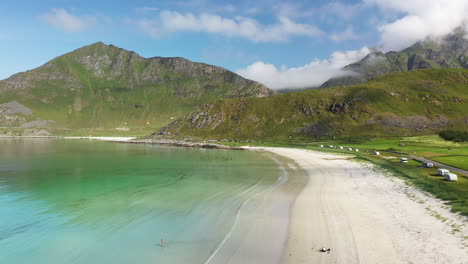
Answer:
[(407, 103), (450, 52), (104, 88)]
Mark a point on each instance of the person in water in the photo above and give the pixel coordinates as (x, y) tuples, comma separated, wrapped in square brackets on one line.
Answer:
[(162, 243)]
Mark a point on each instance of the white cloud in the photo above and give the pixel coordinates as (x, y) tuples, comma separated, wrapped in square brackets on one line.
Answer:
[(420, 19), (61, 18), (310, 75), (347, 34), (171, 21)]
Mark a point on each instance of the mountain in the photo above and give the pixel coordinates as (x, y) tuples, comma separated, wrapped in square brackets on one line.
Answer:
[(105, 88), (449, 52), (405, 103)]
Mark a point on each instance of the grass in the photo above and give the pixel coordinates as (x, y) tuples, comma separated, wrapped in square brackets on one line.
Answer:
[(95, 104), (404, 104), (431, 147), (455, 194), (455, 161)]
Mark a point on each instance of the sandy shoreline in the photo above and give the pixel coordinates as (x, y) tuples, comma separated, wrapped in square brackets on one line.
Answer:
[(330, 201), (366, 217)]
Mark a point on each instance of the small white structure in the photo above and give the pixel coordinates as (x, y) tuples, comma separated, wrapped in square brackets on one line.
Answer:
[(403, 160), (428, 164), (451, 177), (340, 147), (350, 149), (321, 146), (357, 150), (376, 153), (331, 146), (442, 172)]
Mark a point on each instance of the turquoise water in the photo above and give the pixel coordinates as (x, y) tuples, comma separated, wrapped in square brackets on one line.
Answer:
[(78, 201)]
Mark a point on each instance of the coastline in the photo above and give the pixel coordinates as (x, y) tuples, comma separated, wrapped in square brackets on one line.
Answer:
[(366, 217), (133, 140), (363, 215), (260, 229)]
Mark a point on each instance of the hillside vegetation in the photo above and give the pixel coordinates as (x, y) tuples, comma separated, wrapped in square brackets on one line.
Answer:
[(105, 88), (406, 103)]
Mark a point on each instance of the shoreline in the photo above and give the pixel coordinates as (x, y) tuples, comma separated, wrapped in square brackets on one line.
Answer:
[(366, 217), (261, 226), (363, 215), (131, 140)]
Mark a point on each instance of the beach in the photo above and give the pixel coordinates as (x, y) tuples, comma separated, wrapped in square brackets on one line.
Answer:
[(330, 201), (364, 216), (280, 205)]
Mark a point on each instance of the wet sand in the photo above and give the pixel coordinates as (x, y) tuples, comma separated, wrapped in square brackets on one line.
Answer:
[(259, 231)]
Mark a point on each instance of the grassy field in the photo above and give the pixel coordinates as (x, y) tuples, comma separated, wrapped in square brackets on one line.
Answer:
[(431, 147), (426, 179)]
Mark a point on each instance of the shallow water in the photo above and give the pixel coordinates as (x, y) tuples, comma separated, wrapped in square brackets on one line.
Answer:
[(79, 201)]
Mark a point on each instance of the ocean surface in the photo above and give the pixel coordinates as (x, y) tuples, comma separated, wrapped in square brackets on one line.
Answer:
[(82, 201)]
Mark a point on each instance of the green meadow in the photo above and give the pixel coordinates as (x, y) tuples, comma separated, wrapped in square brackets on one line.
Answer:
[(455, 194)]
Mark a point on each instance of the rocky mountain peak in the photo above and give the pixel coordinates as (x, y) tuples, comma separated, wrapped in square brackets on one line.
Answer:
[(450, 51)]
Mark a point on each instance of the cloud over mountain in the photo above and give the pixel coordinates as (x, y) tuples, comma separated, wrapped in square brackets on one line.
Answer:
[(419, 19), (312, 74), (413, 20)]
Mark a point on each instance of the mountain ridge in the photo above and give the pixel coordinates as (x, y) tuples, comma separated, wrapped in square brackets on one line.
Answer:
[(104, 86), (403, 104), (449, 52)]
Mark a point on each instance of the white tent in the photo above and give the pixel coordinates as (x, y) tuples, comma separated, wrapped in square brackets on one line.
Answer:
[(442, 172), (428, 164), (451, 176)]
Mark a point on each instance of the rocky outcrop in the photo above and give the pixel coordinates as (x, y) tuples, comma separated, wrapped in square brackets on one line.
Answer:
[(14, 107), (412, 122)]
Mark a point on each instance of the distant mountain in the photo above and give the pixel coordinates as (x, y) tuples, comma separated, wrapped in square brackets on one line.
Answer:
[(450, 52), (398, 104), (106, 88)]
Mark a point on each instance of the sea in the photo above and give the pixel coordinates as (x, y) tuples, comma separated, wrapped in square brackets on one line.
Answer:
[(86, 201)]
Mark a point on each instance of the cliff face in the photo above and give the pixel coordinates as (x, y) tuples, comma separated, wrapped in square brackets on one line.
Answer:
[(105, 86), (449, 52), (406, 103)]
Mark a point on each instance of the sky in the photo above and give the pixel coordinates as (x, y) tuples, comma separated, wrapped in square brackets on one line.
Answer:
[(281, 43)]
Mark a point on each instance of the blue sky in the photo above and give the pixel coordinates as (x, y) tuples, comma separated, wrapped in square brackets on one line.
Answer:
[(281, 43)]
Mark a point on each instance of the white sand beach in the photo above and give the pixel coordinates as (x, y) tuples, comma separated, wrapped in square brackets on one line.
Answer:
[(365, 216)]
